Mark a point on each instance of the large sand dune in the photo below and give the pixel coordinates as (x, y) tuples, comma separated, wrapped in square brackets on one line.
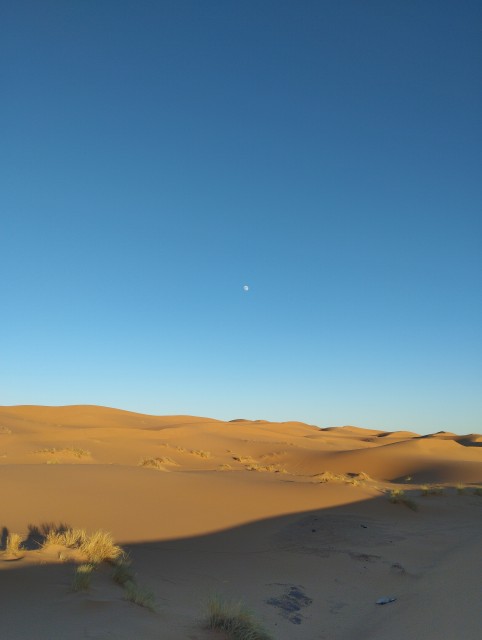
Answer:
[(294, 520)]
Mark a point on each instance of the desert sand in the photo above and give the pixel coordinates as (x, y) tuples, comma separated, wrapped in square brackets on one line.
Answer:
[(295, 521)]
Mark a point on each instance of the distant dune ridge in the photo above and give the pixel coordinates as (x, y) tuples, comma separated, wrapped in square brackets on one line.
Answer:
[(255, 510)]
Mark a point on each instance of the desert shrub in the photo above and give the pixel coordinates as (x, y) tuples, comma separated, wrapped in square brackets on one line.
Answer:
[(234, 620)]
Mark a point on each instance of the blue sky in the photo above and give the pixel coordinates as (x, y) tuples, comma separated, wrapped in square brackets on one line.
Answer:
[(158, 155)]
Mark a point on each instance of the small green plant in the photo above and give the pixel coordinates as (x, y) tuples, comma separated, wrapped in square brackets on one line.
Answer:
[(234, 620), (397, 496), (122, 573), (139, 596), (82, 576)]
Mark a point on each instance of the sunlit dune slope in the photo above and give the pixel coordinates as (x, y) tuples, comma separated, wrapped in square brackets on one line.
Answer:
[(91, 435)]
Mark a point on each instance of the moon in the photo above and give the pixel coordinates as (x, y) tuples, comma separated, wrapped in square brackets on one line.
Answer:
[(245, 287)]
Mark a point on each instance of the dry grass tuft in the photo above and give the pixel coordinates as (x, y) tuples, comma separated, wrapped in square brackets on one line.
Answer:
[(460, 488), (5, 431), (157, 463), (200, 453), (82, 577), (14, 540), (71, 538), (225, 467), (78, 453), (329, 476), (152, 463), (139, 596), (397, 496), (270, 468), (234, 620), (100, 547), (122, 573)]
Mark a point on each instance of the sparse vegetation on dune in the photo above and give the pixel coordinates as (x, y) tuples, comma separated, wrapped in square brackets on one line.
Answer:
[(347, 478), (122, 573), (236, 621), (5, 431), (397, 496), (77, 452), (200, 453), (270, 468), (97, 547), (431, 490), (244, 459), (157, 463)]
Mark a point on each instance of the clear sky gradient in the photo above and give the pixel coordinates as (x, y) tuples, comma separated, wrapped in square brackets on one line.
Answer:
[(157, 155)]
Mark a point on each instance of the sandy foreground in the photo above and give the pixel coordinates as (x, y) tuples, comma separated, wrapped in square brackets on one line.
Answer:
[(294, 521)]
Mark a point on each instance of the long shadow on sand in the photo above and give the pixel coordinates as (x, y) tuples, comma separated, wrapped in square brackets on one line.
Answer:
[(315, 574)]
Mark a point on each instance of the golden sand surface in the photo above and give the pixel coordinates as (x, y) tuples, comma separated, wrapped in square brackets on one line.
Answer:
[(306, 526)]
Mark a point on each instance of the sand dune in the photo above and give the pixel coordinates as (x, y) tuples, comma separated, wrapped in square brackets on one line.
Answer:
[(292, 519)]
